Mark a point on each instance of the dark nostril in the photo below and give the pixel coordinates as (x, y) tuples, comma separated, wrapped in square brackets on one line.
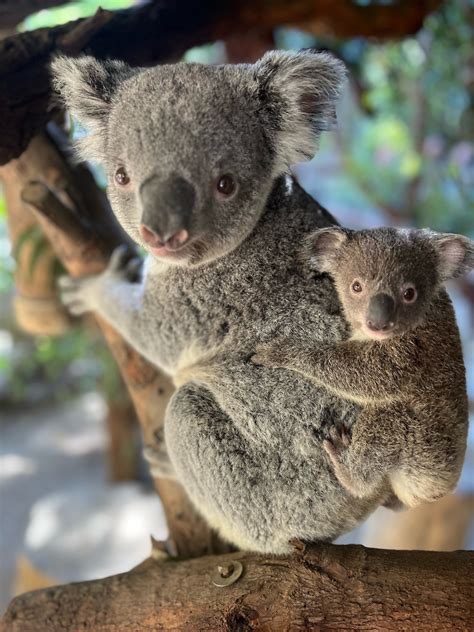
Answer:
[(380, 326), (178, 239), (173, 241), (149, 236)]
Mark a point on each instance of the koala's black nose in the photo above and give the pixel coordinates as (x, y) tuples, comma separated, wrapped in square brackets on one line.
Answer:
[(381, 313), (166, 209)]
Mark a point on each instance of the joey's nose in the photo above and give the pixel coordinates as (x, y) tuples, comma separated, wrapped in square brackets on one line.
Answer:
[(172, 241), (381, 313)]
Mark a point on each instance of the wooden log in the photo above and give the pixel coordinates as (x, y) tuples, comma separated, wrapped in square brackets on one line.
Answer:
[(77, 219), (323, 587), (162, 31)]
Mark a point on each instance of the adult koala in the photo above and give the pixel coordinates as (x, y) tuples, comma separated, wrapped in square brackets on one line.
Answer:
[(196, 158)]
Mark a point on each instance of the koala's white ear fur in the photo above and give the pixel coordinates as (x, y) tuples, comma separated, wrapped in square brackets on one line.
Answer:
[(87, 86), (299, 93), (455, 254), (323, 246)]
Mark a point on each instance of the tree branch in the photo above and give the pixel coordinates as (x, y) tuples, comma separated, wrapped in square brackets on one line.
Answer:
[(162, 31), (323, 587), (76, 217)]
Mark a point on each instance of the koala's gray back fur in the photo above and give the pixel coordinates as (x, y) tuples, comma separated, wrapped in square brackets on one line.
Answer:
[(250, 458)]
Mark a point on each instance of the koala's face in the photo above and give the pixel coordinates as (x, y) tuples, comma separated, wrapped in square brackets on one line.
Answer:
[(387, 279), (192, 151), (189, 177)]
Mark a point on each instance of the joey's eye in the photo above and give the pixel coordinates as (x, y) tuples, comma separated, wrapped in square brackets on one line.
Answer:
[(226, 185), (356, 287), (121, 177), (409, 294)]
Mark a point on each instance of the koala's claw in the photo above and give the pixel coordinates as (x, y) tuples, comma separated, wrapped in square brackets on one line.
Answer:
[(124, 262), (338, 442), (339, 438), (336, 446)]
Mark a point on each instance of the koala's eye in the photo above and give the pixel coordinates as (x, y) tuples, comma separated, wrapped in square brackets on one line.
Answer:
[(409, 294), (357, 287), (121, 177), (226, 185)]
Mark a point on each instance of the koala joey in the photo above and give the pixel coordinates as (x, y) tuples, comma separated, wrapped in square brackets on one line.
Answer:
[(197, 160), (402, 363)]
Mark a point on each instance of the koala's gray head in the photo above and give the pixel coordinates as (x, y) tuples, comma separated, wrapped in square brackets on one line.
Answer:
[(191, 151), (386, 278)]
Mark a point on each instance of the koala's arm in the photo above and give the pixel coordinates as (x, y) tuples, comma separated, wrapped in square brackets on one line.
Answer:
[(116, 295), (357, 371)]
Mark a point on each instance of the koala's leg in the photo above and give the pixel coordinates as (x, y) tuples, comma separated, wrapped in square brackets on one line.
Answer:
[(433, 467), (221, 472), (378, 444)]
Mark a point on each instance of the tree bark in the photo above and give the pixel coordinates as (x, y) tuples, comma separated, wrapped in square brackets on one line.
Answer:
[(324, 587), (163, 31), (76, 217)]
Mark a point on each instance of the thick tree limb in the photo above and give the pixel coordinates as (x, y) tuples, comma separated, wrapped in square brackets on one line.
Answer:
[(12, 12), (162, 31), (325, 587), (77, 219)]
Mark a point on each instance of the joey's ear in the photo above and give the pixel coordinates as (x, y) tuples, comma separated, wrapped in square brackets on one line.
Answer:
[(298, 94), (322, 247), (455, 254), (87, 87)]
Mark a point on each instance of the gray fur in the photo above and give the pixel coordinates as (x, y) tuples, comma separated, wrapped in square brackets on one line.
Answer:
[(246, 444), (408, 375)]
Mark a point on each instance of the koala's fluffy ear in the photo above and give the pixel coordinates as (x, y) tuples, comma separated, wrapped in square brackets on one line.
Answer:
[(298, 93), (322, 247), (87, 87), (455, 254)]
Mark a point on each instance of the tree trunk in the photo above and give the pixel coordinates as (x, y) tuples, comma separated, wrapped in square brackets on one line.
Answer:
[(325, 587), (79, 223)]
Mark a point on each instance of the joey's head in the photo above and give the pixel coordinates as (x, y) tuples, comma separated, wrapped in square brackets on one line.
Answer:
[(386, 278), (191, 151)]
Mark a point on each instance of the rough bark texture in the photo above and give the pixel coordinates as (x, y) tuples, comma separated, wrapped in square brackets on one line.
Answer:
[(76, 218), (163, 31), (36, 306), (325, 587), (123, 446)]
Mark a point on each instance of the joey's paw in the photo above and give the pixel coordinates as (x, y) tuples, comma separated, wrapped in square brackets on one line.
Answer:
[(74, 294), (338, 442), (274, 355), (126, 264), (336, 447)]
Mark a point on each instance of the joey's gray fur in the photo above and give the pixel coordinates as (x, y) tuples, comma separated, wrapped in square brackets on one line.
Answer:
[(247, 445), (402, 364)]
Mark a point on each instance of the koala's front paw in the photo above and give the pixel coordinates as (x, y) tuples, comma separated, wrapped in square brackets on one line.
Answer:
[(81, 295), (76, 294), (274, 355)]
